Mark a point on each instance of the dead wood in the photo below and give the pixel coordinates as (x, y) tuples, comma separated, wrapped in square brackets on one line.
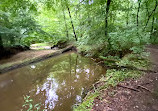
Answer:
[(140, 86), (133, 89), (117, 67)]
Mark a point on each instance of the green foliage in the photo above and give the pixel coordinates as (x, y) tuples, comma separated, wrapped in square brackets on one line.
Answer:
[(116, 76), (135, 60), (27, 22), (137, 49), (28, 105), (128, 27), (19, 25), (87, 103)]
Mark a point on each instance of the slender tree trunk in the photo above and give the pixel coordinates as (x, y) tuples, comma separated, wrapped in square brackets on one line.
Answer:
[(72, 23), (76, 65), (139, 2), (81, 23), (106, 17), (152, 27), (151, 15), (106, 23), (147, 10), (67, 32), (127, 20), (1, 43), (70, 64), (12, 40)]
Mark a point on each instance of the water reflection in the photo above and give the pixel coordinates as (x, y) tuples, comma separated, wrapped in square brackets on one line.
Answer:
[(49, 89), (56, 83)]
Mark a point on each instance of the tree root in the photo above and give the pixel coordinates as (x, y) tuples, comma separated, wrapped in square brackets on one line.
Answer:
[(140, 86), (133, 89)]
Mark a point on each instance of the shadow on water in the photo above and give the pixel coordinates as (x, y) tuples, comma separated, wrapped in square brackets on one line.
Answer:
[(57, 83)]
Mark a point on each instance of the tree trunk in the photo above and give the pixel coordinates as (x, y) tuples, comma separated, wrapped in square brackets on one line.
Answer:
[(106, 17), (67, 32), (70, 63), (76, 65), (139, 2), (127, 21), (150, 15), (72, 23), (1, 43), (152, 27), (12, 40), (147, 10), (106, 23), (138, 12)]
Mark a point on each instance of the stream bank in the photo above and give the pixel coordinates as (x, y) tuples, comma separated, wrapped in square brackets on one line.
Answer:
[(124, 89), (31, 56)]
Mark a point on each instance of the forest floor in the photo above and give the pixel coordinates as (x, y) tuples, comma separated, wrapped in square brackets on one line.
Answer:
[(137, 95)]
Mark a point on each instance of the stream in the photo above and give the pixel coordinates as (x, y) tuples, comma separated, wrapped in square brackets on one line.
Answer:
[(56, 83)]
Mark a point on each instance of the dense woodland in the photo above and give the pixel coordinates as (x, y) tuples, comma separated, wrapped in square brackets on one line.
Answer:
[(96, 27), (105, 30)]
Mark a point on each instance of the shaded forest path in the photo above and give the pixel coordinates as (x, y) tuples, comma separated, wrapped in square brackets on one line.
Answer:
[(123, 99)]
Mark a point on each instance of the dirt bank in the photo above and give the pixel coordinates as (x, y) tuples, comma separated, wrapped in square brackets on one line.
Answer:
[(27, 57), (138, 95)]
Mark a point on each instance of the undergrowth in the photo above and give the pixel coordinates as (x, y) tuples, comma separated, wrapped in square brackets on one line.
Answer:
[(30, 106), (87, 103)]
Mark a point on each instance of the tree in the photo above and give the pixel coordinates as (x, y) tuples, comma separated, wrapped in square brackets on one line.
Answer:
[(72, 23), (106, 21), (1, 43)]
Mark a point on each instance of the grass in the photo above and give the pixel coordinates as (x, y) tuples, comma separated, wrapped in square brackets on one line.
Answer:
[(87, 103), (115, 76)]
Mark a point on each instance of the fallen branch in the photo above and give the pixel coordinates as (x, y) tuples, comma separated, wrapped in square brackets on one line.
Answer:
[(146, 83), (140, 86), (133, 89), (129, 67)]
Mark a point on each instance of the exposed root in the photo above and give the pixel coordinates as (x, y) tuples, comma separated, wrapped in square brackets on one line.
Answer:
[(133, 89)]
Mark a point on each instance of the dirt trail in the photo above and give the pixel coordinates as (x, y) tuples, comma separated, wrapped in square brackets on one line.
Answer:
[(123, 99)]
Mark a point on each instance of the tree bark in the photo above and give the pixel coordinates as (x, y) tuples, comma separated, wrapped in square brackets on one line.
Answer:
[(106, 17), (128, 11), (72, 23), (67, 32), (150, 15), (147, 10), (152, 27), (139, 6), (139, 2), (106, 23), (1, 43)]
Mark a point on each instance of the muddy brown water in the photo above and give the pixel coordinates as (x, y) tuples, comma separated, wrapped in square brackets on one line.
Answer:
[(56, 83)]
